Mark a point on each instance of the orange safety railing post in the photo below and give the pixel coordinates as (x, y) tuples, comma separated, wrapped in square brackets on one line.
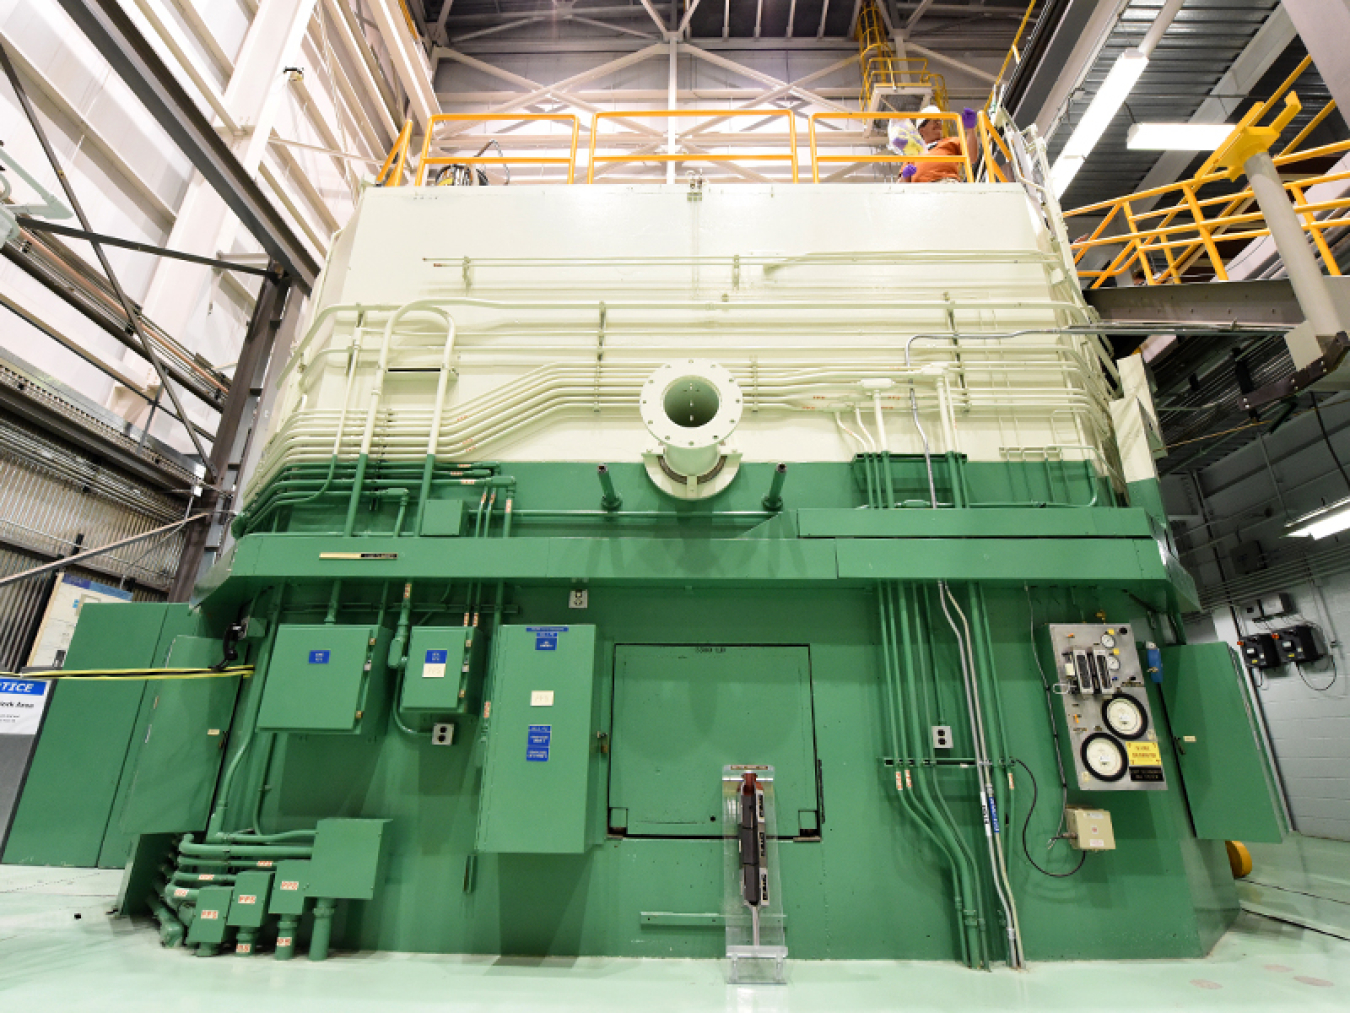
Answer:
[(393, 162)]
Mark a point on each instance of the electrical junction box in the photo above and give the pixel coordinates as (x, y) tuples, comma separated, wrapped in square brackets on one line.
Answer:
[(326, 679), (348, 859), (542, 774), (1301, 644), (248, 906), (443, 518), (213, 909), (1270, 606), (290, 889), (1262, 650), (1089, 829), (1111, 739), (442, 661)]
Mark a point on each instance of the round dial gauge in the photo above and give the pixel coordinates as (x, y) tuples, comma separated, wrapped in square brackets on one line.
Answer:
[(1104, 757), (1113, 663), (1108, 640), (1125, 717)]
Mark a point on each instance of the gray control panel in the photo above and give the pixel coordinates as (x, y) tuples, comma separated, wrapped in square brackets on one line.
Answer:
[(1111, 741)]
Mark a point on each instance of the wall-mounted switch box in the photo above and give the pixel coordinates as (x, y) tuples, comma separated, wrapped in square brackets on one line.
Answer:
[(1089, 829)]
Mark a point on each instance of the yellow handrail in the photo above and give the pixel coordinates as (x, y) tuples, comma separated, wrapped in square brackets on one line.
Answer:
[(1183, 234), (818, 159), (1012, 56), (594, 159), (427, 159), (391, 172)]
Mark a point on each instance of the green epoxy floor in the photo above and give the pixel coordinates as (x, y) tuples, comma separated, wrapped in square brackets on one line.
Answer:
[(60, 951)]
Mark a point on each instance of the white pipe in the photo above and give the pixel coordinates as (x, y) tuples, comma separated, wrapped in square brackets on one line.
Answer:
[(442, 381)]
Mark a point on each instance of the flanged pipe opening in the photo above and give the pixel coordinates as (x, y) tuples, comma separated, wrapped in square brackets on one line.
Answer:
[(691, 402)]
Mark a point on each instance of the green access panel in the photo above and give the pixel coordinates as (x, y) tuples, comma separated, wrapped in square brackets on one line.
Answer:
[(1230, 781), (681, 711), (324, 679), (542, 771), (441, 660)]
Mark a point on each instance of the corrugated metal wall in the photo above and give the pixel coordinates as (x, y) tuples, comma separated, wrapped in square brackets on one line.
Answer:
[(53, 499)]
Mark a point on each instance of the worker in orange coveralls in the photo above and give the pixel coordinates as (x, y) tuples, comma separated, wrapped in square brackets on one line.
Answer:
[(930, 131)]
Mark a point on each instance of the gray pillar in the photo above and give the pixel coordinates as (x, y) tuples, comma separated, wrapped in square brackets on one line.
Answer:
[(1305, 274), (1324, 25)]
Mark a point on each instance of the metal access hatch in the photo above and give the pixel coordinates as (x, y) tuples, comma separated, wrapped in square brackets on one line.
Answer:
[(681, 712)]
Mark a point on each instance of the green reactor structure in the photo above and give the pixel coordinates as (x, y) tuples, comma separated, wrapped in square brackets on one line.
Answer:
[(573, 496)]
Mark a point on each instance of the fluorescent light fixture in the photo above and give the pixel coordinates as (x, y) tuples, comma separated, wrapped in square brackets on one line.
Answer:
[(1177, 136), (1100, 112), (1323, 523)]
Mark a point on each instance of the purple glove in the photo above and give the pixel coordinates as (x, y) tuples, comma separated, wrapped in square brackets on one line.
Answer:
[(969, 117), (907, 173)]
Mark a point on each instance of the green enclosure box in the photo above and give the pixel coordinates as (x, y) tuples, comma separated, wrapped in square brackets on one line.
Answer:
[(291, 888), (213, 910), (443, 518), (348, 859), (325, 679), (248, 906), (441, 661), (187, 721), (542, 771), (1231, 787)]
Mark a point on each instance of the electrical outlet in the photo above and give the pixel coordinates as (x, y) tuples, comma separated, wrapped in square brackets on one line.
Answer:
[(580, 598), (942, 736), (442, 735)]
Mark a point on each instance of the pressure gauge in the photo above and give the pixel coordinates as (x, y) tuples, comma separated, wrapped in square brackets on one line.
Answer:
[(1108, 641), (1112, 663), (1104, 757), (1124, 716)]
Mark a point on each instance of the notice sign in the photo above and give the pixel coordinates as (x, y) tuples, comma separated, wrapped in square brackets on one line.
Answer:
[(21, 705), (537, 743)]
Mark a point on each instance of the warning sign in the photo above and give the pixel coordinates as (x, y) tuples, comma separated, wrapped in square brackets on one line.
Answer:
[(21, 704)]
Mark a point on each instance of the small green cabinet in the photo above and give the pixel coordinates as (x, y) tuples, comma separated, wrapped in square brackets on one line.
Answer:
[(1230, 783), (541, 779), (325, 679)]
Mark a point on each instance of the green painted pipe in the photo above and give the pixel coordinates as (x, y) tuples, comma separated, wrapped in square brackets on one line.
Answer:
[(398, 647), (322, 936), (945, 826), (286, 930), (609, 499), (773, 502), (171, 931), (358, 483), (227, 851), (216, 823)]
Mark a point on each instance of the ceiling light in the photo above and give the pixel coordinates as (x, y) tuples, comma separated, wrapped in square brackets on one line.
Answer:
[(1177, 136), (1323, 523), (1100, 112)]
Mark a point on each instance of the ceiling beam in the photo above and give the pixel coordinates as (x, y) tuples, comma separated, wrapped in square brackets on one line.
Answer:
[(120, 43)]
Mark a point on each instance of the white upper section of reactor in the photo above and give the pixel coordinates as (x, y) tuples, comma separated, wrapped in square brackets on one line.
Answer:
[(520, 323)]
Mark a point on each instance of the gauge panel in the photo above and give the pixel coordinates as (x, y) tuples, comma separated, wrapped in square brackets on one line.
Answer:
[(1103, 700)]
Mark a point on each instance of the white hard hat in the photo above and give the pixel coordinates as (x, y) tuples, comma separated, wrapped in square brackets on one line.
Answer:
[(926, 111)]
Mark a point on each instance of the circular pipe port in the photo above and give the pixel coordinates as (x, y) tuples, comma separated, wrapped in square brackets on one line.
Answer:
[(691, 406)]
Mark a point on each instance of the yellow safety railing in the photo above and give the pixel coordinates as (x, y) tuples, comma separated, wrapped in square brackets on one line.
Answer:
[(391, 172), (986, 134), (427, 159), (1014, 55), (882, 69), (651, 156), (817, 159), (1189, 226)]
